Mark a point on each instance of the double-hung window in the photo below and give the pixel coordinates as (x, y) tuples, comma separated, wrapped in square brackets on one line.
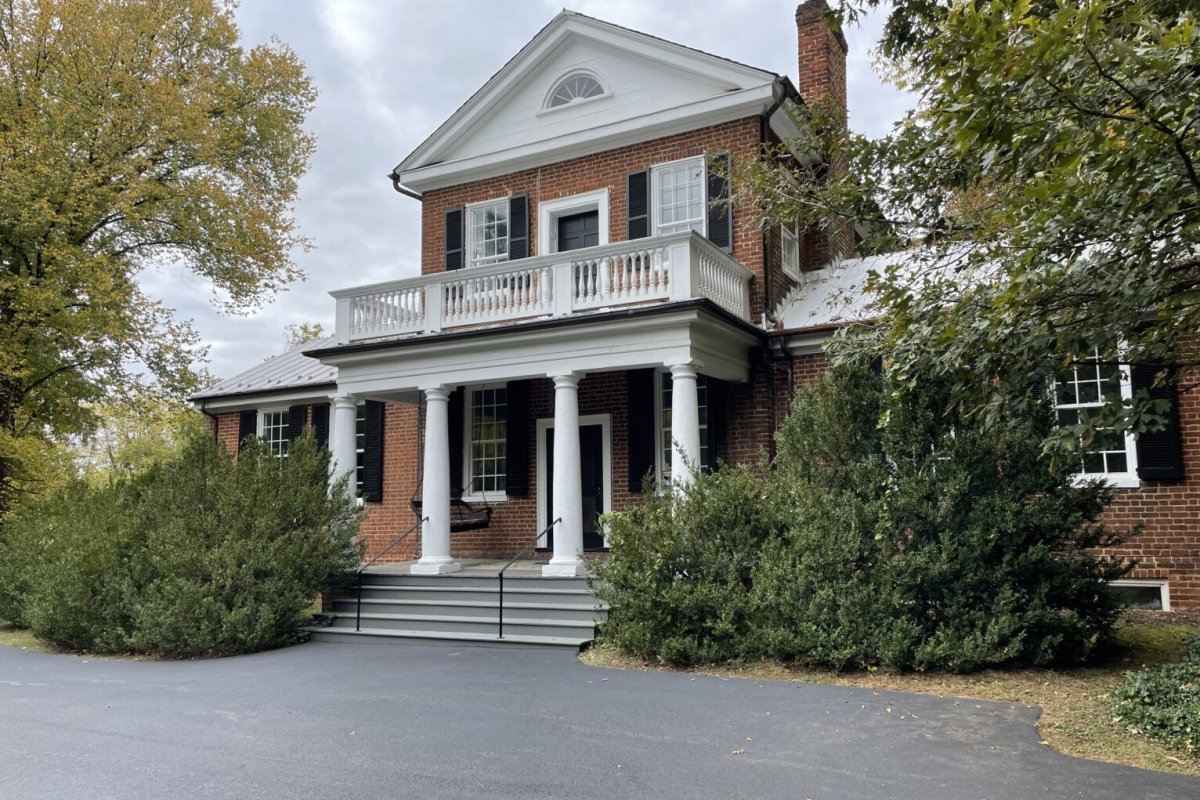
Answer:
[(273, 429), (1091, 384), (678, 197), (487, 233), (666, 443), (487, 440), (790, 244)]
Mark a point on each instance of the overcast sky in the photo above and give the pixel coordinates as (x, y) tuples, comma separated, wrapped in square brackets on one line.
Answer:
[(389, 72)]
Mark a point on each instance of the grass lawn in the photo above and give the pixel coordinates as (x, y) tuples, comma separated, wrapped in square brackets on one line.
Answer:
[(12, 636), (1076, 714)]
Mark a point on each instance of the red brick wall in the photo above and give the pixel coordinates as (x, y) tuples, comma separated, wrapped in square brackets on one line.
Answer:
[(610, 169), (226, 426)]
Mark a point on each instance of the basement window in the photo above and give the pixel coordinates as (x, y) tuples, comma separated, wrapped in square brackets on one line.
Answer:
[(1148, 595)]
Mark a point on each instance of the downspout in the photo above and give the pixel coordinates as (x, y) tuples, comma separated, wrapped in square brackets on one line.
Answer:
[(778, 94), (216, 422), (401, 188)]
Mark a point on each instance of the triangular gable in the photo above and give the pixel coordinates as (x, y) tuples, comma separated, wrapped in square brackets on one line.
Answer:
[(642, 76)]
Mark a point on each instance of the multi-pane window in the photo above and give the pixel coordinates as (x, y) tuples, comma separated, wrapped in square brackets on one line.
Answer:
[(1090, 385), (360, 446), (575, 87), (790, 243), (678, 192), (488, 439), (666, 443), (274, 432), (487, 225)]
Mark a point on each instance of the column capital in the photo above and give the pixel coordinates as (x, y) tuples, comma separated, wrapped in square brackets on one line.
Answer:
[(437, 394), (569, 380), (345, 401), (688, 369)]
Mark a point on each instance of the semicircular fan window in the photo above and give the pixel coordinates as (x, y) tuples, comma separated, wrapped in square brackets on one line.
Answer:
[(575, 87)]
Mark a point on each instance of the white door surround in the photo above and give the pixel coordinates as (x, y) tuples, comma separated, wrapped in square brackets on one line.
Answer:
[(550, 210), (546, 424)]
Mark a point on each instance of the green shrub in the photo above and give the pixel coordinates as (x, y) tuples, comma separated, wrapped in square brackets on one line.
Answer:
[(196, 556), (887, 533), (1164, 703)]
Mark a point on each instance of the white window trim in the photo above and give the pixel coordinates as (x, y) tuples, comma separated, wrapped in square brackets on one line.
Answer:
[(653, 204), (262, 419), (549, 212), (547, 423), (577, 102), (480, 497), (788, 229), (1162, 584), (469, 232), (1118, 480)]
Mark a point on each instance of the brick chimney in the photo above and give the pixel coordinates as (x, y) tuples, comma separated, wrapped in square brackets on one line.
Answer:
[(822, 79), (822, 54)]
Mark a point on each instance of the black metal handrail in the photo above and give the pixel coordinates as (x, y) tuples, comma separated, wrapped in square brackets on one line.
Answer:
[(358, 572), (511, 561)]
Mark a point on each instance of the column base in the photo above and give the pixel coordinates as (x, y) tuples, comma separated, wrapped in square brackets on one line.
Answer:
[(437, 568), (553, 570)]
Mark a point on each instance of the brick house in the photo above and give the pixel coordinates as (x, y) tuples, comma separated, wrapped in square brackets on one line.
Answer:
[(590, 313)]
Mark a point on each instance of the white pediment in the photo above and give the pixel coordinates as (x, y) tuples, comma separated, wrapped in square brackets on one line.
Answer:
[(648, 84)]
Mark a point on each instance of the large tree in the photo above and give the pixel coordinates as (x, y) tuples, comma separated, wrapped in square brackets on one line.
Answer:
[(1045, 192), (132, 133)]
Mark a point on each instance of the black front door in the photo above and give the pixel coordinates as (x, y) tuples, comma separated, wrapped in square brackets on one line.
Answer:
[(591, 457), (578, 230)]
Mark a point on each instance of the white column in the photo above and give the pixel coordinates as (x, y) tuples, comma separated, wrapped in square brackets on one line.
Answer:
[(435, 493), (342, 439), (568, 485), (685, 424)]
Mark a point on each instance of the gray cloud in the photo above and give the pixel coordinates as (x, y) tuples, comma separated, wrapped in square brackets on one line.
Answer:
[(389, 73)]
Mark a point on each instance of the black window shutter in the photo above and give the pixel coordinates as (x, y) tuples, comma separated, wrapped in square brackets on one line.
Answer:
[(717, 398), (516, 448), (643, 434), (454, 239), (372, 469), (518, 228), (456, 422), (1159, 453), (297, 417), (720, 212), (247, 426), (320, 423), (637, 204)]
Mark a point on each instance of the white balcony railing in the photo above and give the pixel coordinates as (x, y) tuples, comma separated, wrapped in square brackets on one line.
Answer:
[(679, 266)]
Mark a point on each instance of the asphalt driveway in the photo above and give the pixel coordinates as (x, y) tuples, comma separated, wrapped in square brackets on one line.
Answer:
[(353, 721)]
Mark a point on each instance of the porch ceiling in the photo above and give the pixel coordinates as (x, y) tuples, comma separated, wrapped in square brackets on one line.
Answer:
[(690, 331)]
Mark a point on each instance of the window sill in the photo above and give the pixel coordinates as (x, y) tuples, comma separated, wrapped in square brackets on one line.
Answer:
[(1117, 480), (490, 498)]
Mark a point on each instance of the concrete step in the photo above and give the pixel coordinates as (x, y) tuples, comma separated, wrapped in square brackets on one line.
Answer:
[(459, 580), (516, 625), (394, 636), (483, 606), (450, 593)]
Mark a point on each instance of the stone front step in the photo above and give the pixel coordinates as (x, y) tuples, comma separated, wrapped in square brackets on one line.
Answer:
[(464, 608)]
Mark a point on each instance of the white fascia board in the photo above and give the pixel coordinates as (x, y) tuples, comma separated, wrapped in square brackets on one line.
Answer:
[(807, 344), (550, 39), (608, 344), (246, 402), (680, 119)]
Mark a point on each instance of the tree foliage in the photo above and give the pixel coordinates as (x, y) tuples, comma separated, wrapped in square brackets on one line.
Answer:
[(1045, 192), (886, 533), (132, 434), (132, 134)]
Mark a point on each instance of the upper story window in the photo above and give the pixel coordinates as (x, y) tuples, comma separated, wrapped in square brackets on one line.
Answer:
[(578, 86), (487, 232), (1091, 384), (677, 192), (790, 243), (273, 429)]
